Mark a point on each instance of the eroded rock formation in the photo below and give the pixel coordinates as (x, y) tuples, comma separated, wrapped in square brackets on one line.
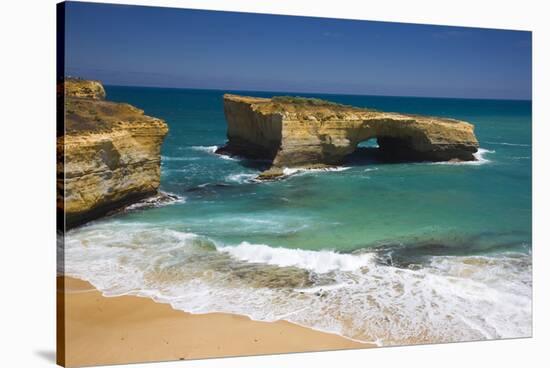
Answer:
[(108, 156), (297, 132), (76, 87)]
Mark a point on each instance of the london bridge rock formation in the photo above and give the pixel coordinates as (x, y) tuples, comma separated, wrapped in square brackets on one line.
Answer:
[(296, 132), (108, 156)]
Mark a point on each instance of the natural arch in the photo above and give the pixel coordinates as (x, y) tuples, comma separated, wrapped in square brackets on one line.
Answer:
[(385, 149), (369, 143), (301, 132)]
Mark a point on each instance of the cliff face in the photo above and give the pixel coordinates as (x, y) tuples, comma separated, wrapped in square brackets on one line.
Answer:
[(111, 154), (298, 132)]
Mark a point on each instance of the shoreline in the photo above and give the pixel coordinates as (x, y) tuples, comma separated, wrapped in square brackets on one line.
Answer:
[(98, 330)]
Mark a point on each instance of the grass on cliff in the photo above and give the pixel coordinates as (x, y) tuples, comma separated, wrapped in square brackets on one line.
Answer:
[(313, 102), (88, 115)]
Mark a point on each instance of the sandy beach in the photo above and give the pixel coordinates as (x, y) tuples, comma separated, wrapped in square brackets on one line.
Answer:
[(115, 330)]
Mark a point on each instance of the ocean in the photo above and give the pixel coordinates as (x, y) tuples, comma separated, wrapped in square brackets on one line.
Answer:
[(386, 253)]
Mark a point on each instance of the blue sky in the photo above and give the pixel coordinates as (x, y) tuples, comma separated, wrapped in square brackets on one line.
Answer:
[(149, 46)]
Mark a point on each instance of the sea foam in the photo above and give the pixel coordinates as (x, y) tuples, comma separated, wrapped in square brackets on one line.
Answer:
[(480, 157), (208, 149), (292, 171), (171, 158), (510, 144), (450, 298), (212, 150), (242, 178)]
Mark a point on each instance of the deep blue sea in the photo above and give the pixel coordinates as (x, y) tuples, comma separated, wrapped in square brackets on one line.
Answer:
[(387, 253)]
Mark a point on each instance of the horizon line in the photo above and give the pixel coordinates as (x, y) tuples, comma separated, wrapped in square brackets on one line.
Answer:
[(317, 93)]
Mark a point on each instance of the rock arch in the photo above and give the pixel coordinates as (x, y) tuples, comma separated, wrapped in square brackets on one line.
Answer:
[(301, 132)]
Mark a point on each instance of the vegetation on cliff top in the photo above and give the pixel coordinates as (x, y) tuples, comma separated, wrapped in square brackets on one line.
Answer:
[(309, 102), (305, 101), (77, 87), (86, 109), (88, 115), (304, 107)]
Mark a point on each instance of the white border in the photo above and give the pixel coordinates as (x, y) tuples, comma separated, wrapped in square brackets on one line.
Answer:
[(27, 309)]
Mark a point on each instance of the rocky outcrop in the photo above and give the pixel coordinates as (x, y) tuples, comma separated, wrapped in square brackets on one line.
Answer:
[(76, 87), (108, 156), (297, 132)]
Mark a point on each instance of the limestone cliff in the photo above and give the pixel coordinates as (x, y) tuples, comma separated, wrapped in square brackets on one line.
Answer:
[(301, 132), (108, 156), (76, 87)]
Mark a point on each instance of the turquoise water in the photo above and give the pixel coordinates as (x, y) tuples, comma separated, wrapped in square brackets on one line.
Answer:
[(392, 253)]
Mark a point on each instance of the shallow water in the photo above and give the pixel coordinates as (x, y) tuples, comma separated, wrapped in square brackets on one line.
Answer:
[(392, 253)]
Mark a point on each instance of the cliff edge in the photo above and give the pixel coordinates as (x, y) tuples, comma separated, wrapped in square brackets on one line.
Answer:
[(108, 156), (296, 132)]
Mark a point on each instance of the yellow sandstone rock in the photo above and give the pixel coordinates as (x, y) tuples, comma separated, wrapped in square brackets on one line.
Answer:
[(298, 132), (84, 88), (109, 156)]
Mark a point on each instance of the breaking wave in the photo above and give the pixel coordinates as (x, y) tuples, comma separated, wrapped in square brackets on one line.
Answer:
[(446, 298), (318, 261)]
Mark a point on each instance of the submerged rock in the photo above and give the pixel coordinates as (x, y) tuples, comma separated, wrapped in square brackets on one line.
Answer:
[(296, 132), (108, 154)]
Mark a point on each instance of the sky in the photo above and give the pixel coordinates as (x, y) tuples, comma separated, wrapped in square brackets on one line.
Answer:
[(181, 48)]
